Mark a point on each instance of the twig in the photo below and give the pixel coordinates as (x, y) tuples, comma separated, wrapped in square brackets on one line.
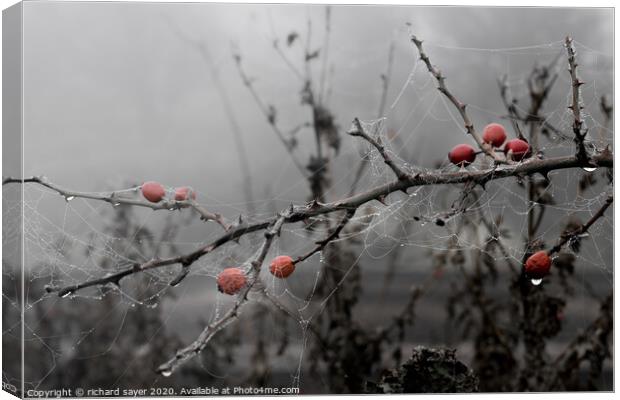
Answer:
[(607, 110), (575, 107), (583, 228), (286, 60), (596, 334), (202, 49), (509, 104), (325, 51), (116, 200), (185, 354), (301, 213), (269, 114), (385, 83), (461, 107), (385, 80), (320, 245), (357, 130)]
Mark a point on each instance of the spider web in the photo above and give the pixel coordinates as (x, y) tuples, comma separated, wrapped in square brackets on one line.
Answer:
[(68, 241)]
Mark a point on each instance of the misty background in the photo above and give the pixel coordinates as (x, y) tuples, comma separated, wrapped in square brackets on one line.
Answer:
[(115, 95)]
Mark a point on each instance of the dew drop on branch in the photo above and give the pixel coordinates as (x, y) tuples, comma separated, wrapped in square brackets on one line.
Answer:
[(536, 282), (589, 169)]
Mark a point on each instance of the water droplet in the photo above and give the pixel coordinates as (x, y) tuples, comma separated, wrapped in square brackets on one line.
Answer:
[(116, 204), (166, 373), (66, 294), (69, 198), (589, 169), (536, 282)]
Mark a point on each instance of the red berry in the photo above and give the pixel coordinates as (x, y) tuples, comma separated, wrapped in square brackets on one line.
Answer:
[(231, 280), (153, 191), (180, 194), (519, 149), (494, 134), (282, 266), (462, 154), (537, 265)]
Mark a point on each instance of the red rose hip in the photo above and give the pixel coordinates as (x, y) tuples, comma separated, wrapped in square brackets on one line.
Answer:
[(462, 155), (184, 193), (153, 191), (494, 134), (537, 265), (517, 148), (282, 267), (231, 280)]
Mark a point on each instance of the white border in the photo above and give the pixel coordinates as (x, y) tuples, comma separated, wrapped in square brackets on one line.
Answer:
[(524, 3)]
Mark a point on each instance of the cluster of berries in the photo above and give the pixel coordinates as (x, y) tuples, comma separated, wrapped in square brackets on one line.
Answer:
[(495, 135), (232, 280), (155, 192)]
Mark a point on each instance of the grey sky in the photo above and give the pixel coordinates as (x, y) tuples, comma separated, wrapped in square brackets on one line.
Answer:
[(112, 93)]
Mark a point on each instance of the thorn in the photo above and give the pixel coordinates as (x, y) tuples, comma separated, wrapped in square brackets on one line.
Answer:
[(314, 204)]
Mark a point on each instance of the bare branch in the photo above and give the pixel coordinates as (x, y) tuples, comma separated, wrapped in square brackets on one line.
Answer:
[(566, 237), (325, 53), (269, 113), (461, 107), (607, 110), (385, 80), (575, 107), (357, 130), (385, 84), (116, 199), (286, 60), (320, 245), (187, 353), (510, 104), (301, 213)]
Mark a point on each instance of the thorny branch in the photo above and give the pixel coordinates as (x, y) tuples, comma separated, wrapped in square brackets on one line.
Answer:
[(357, 130), (575, 107), (461, 107), (320, 245), (116, 199), (568, 236), (300, 213), (185, 354), (272, 226), (385, 85)]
